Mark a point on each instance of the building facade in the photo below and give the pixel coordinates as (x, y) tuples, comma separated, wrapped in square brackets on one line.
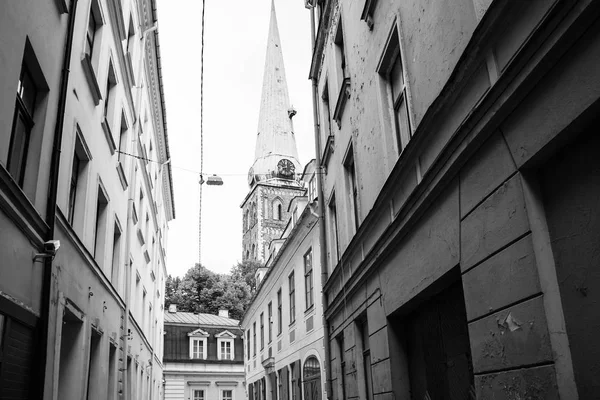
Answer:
[(460, 183), (82, 165), (203, 356), (273, 177), (284, 354)]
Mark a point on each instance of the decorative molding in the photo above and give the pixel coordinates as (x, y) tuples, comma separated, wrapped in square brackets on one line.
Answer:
[(20, 210), (340, 105), (91, 78), (198, 333), (328, 151), (226, 383), (198, 383)]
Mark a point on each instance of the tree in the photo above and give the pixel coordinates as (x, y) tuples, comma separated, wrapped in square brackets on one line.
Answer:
[(246, 271), (203, 291)]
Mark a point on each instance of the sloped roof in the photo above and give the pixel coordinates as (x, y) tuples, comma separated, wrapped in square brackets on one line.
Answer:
[(199, 319)]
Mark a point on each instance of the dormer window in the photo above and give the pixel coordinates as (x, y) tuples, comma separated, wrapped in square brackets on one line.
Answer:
[(225, 345), (198, 344)]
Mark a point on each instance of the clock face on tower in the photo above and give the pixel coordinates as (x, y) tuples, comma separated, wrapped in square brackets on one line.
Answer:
[(250, 176), (285, 168)]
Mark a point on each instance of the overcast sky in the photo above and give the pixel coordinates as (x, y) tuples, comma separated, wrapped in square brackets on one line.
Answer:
[(234, 56)]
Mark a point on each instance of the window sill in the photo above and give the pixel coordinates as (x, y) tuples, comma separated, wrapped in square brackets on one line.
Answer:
[(341, 102), (328, 151), (309, 310), (123, 179), (90, 76), (109, 137)]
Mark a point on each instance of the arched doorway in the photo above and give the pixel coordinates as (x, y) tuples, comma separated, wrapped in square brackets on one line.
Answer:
[(312, 379)]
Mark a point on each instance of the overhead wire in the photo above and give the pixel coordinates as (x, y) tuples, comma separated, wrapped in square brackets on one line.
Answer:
[(201, 180)]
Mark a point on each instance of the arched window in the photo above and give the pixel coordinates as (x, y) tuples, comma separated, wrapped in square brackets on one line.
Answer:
[(312, 379), (277, 210)]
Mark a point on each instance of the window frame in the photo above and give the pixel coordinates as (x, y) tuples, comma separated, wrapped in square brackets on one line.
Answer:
[(279, 312), (270, 321), (292, 296), (198, 397), (352, 185), (262, 331), (391, 56), (222, 394), (200, 340), (308, 279)]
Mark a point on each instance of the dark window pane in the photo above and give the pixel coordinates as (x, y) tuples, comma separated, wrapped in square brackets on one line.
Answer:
[(27, 90), (396, 78), (17, 154)]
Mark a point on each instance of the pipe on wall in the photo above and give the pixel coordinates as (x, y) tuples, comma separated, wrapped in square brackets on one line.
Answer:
[(53, 194), (321, 203)]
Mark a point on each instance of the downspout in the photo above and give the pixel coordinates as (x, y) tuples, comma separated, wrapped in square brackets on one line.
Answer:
[(321, 203), (53, 193)]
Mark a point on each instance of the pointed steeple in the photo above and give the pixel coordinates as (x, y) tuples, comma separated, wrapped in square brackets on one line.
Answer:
[(275, 139)]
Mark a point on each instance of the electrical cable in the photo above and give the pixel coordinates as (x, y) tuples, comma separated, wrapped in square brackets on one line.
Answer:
[(201, 180)]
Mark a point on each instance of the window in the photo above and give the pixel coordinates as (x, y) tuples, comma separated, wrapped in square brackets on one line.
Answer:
[(277, 210), (111, 83), (340, 343), (116, 252), (225, 348), (198, 394), (197, 348), (270, 321), (130, 37), (367, 13), (351, 184), (392, 71), (94, 24), (95, 366), (312, 189), (335, 250), (101, 223), (23, 121), (363, 328), (254, 338), (308, 279), (292, 298), (123, 138), (279, 313), (340, 53), (227, 394), (77, 184), (248, 343), (262, 331)]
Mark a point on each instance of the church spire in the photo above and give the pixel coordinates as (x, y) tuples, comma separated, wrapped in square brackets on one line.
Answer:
[(275, 139)]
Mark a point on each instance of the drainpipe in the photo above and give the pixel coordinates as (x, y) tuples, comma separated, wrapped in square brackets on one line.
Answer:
[(53, 193), (321, 202)]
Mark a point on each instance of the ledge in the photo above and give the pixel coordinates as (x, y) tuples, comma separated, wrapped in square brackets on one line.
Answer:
[(340, 105), (129, 67), (122, 178), (108, 135), (140, 236), (90, 76)]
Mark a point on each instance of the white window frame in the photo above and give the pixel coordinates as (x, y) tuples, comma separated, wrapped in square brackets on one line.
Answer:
[(201, 397), (200, 336), (221, 397), (225, 337)]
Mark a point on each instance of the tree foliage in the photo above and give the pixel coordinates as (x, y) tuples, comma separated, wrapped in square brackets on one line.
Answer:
[(203, 291)]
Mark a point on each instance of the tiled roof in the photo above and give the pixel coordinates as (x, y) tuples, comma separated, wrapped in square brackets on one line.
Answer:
[(199, 319)]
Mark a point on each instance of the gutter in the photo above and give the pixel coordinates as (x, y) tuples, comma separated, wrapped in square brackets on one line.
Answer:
[(321, 203), (53, 194)]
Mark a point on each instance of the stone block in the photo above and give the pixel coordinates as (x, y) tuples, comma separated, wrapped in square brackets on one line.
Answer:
[(352, 384), (484, 172), (382, 376), (376, 316), (515, 337), (527, 383), (552, 106), (384, 396), (501, 218), (425, 254), (380, 348), (505, 278)]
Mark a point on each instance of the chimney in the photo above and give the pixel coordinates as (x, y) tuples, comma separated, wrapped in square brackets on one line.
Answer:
[(224, 313), (172, 308)]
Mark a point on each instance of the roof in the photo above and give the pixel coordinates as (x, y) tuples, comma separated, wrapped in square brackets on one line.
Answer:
[(199, 319)]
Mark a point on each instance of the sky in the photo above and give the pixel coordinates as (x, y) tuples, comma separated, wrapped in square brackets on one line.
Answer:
[(234, 56)]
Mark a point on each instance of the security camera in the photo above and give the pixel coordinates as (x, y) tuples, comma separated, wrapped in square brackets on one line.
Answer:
[(51, 247)]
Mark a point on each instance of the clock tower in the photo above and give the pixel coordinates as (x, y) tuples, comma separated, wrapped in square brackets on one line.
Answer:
[(273, 178)]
